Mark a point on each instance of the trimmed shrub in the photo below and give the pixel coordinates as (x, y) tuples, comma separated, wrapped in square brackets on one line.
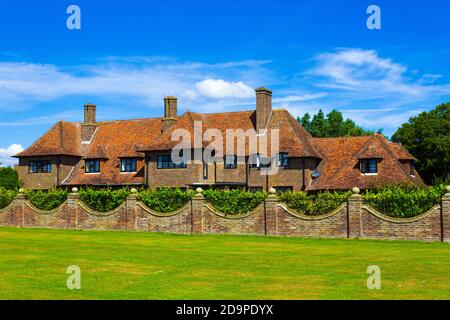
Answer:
[(103, 200), (6, 196), (234, 202), (165, 199), (316, 204), (47, 200), (403, 202)]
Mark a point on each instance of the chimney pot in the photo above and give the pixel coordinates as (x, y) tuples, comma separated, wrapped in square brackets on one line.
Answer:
[(90, 113), (263, 107), (170, 112)]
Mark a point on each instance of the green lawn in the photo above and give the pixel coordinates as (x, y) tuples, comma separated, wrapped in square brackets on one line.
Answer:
[(124, 265)]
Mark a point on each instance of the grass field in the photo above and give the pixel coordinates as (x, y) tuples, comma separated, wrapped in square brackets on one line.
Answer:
[(124, 265)]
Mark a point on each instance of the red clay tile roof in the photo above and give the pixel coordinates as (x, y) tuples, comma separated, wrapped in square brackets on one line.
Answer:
[(400, 152), (113, 140), (294, 139), (62, 139), (339, 168)]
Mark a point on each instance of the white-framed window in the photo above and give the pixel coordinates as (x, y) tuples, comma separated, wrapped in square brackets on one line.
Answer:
[(369, 166), (92, 166), (128, 165)]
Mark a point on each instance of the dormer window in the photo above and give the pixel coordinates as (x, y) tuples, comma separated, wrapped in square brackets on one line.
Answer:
[(411, 168), (92, 166), (128, 165), (369, 166)]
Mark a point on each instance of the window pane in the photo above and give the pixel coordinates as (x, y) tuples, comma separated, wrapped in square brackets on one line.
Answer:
[(283, 160), (230, 161), (128, 165), (40, 166), (92, 166), (165, 162)]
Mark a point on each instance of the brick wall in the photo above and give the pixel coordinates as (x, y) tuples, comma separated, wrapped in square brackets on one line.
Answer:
[(353, 219)]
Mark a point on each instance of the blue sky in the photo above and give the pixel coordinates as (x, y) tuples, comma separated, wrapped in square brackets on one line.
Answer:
[(129, 54)]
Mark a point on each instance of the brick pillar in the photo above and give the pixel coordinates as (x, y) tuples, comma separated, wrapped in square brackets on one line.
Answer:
[(446, 216), (354, 214), (17, 215), (197, 212), (270, 213), (72, 209), (131, 206)]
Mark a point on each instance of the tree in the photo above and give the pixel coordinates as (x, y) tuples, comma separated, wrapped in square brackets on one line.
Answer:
[(333, 125), (427, 138), (9, 178)]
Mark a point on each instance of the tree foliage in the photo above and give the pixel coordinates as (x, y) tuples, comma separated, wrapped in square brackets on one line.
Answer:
[(331, 125), (9, 179), (427, 138)]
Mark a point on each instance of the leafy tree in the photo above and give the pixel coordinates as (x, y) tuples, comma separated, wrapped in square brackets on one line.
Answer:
[(333, 125), (9, 179), (319, 125), (427, 137)]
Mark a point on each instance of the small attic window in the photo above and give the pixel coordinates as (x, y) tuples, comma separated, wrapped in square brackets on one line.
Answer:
[(369, 166), (92, 166)]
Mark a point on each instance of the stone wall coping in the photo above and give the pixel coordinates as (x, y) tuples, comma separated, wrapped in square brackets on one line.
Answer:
[(44, 212), (9, 206), (303, 216), (98, 213), (387, 218), (162, 214), (239, 216)]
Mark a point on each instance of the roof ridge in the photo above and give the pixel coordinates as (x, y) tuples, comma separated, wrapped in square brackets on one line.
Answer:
[(397, 162), (308, 145)]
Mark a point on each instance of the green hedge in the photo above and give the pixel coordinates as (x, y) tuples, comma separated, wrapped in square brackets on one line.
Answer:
[(165, 199), (316, 204), (47, 200), (103, 200), (403, 202), (234, 202), (6, 196)]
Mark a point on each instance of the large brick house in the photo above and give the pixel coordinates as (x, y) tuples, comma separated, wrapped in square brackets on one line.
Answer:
[(137, 153)]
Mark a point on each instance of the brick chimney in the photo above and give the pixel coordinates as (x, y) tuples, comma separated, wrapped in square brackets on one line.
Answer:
[(170, 113), (89, 126), (263, 108)]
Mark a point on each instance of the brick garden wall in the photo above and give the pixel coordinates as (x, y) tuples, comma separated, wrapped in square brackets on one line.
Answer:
[(354, 219)]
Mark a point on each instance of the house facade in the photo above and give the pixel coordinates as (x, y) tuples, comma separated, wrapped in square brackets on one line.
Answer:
[(138, 153)]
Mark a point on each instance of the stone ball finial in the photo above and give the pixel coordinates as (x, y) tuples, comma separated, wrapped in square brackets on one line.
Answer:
[(21, 190), (133, 190), (272, 191), (74, 190), (199, 190), (356, 190), (447, 188)]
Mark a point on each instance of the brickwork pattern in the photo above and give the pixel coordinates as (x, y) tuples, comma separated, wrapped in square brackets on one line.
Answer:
[(353, 219)]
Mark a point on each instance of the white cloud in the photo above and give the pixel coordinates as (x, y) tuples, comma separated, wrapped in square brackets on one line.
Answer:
[(5, 154), (220, 89), (368, 75), (146, 79)]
